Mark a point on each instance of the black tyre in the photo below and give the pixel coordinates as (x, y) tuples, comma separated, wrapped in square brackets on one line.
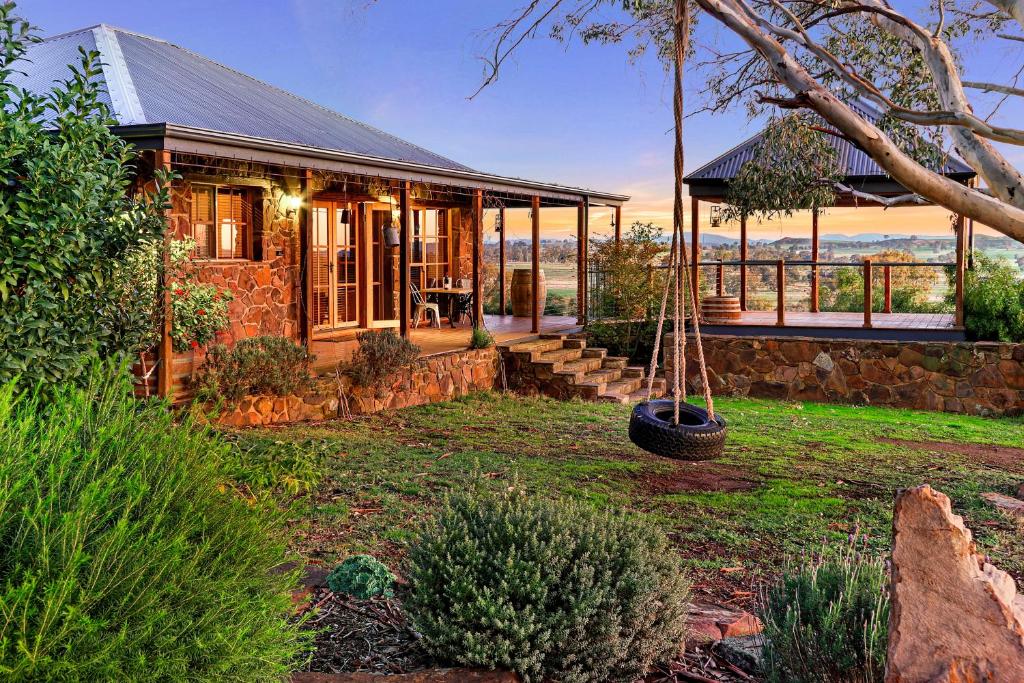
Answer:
[(694, 438)]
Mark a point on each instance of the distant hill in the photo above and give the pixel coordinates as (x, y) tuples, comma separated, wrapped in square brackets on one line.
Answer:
[(878, 237), (707, 239)]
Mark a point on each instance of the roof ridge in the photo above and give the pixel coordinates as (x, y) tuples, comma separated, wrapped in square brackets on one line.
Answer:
[(124, 98), (104, 26), (294, 96)]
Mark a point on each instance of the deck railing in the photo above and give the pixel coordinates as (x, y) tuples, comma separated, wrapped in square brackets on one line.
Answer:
[(599, 309), (867, 267)]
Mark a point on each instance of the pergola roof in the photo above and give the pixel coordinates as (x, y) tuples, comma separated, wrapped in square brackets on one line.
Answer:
[(157, 89), (860, 170)]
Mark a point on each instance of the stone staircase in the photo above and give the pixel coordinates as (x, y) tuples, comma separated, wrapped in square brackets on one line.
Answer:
[(562, 366)]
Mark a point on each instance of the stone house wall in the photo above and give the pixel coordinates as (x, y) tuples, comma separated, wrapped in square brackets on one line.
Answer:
[(266, 291), (958, 377), (433, 379)]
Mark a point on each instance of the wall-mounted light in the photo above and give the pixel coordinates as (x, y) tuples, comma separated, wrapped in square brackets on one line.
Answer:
[(291, 204)]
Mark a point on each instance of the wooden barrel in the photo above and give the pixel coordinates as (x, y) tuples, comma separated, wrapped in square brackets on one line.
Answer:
[(720, 310), (521, 286)]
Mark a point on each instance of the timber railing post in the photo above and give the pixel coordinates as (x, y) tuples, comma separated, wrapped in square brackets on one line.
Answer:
[(743, 262), (720, 276), (867, 293), (165, 371), (537, 306), (780, 276), (887, 272), (502, 297)]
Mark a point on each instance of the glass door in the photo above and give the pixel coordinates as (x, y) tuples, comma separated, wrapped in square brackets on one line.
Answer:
[(335, 248)]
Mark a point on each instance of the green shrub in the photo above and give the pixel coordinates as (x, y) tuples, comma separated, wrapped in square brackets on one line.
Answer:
[(121, 559), (257, 365), (481, 339), (380, 355), (68, 221), (363, 577), (993, 301), (826, 621), (261, 464), (552, 590)]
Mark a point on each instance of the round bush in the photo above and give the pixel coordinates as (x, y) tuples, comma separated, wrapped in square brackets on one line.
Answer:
[(363, 577), (121, 559), (550, 590)]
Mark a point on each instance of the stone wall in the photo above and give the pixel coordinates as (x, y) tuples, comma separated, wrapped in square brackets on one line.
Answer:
[(265, 289), (957, 377), (433, 379)]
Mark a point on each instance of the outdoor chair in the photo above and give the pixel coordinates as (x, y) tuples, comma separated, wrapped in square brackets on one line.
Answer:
[(432, 310), (464, 303)]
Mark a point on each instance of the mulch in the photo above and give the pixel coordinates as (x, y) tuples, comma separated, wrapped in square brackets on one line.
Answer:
[(374, 636), (371, 636)]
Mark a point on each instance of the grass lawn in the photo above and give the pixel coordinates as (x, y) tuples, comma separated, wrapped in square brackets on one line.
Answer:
[(794, 476)]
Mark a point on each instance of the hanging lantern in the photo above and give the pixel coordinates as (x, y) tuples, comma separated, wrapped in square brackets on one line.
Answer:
[(716, 216), (613, 221), (390, 233), (497, 222), (346, 216)]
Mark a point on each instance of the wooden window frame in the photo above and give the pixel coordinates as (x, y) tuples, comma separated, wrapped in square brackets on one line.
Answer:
[(246, 225), (423, 264)]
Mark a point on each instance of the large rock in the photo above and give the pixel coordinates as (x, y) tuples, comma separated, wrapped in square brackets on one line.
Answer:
[(953, 617)]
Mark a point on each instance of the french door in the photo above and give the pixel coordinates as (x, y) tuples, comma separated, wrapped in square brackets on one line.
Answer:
[(336, 252)]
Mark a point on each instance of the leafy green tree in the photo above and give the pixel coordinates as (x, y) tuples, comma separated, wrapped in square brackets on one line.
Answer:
[(793, 168), (68, 221)]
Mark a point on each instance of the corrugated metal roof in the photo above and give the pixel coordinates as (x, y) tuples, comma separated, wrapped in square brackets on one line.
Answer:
[(173, 85), (854, 162)]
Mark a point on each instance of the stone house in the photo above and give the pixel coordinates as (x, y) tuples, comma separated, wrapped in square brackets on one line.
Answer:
[(321, 226)]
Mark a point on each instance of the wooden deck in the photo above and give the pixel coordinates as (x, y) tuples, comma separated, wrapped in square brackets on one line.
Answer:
[(887, 326), (431, 340)]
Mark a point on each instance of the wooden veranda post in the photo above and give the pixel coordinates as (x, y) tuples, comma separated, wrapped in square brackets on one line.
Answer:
[(814, 260), (780, 284), (960, 261), (306, 249), (478, 238), (695, 246), (887, 279), (581, 263), (868, 303), (502, 299), (165, 372), (537, 304), (404, 275), (743, 262), (618, 223)]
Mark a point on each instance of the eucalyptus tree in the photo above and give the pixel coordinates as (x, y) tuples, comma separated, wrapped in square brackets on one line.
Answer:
[(817, 58)]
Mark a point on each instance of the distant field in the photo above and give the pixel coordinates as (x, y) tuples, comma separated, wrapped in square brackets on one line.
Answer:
[(560, 277)]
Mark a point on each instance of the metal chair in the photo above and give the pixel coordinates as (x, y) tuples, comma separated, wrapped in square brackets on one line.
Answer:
[(464, 303), (423, 307)]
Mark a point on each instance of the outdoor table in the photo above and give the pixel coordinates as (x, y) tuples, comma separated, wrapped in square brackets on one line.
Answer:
[(446, 298)]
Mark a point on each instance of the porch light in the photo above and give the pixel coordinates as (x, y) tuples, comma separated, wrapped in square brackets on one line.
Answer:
[(716, 216), (390, 234), (291, 204), (497, 222), (346, 217)]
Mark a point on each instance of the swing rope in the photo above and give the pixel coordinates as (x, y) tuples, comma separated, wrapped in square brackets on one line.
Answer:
[(678, 275)]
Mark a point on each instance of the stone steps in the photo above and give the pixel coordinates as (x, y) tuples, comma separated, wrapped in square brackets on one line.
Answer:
[(564, 366)]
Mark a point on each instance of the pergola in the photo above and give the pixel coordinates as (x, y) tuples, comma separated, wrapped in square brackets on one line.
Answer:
[(861, 173)]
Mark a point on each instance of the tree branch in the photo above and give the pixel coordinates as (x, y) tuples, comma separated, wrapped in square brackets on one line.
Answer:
[(994, 87), (887, 202), (1004, 216)]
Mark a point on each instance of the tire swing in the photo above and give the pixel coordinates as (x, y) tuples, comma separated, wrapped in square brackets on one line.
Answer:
[(673, 428)]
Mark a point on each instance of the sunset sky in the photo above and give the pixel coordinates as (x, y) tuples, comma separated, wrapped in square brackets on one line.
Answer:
[(578, 115)]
